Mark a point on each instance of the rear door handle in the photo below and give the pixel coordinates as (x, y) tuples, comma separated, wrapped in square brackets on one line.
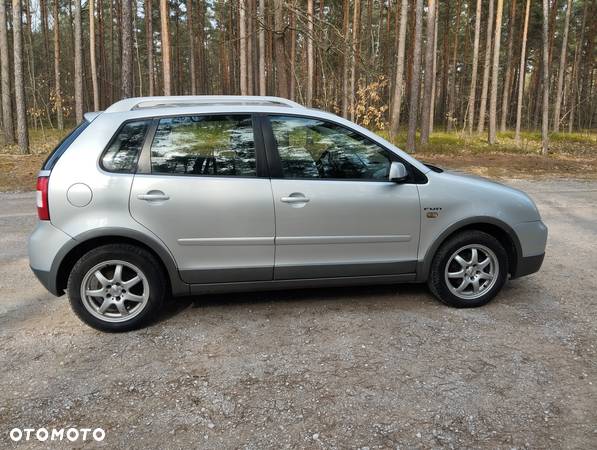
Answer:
[(153, 196), (294, 199)]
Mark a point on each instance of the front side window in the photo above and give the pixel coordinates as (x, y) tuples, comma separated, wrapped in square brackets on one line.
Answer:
[(204, 145), (124, 150), (313, 148)]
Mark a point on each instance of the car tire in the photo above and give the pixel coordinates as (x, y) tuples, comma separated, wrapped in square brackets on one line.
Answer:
[(468, 270), (117, 287)]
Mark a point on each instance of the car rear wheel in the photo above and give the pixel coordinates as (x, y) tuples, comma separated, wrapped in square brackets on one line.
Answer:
[(469, 269), (117, 287)]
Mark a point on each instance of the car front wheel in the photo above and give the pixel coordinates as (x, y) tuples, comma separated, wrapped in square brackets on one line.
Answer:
[(116, 287), (469, 269)]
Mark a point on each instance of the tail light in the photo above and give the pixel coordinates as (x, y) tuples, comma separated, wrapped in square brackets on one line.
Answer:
[(43, 209)]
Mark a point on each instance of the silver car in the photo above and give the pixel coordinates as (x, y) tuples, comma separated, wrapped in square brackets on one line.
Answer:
[(169, 196)]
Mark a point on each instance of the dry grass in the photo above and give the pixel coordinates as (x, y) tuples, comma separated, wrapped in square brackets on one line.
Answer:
[(572, 155), (18, 172)]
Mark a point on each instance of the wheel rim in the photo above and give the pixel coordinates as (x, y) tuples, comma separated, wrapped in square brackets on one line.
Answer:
[(115, 291), (471, 271)]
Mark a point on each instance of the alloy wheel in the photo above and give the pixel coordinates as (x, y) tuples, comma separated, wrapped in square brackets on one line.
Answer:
[(471, 271), (115, 291)]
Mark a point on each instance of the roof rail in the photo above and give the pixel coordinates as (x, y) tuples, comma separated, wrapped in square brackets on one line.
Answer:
[(131, 104)]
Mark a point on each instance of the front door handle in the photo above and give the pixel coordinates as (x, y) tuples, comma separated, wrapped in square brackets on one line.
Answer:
[(296, 199), (153, 196)]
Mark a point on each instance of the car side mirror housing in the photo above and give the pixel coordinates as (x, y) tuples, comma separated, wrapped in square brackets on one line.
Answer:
[(398, 172)]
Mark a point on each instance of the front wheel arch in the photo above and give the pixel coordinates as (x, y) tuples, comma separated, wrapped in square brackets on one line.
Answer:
[(494, 227)]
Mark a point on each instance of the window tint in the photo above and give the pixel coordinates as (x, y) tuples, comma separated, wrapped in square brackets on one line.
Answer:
[(204, 145), (312, 148), (123, 152)]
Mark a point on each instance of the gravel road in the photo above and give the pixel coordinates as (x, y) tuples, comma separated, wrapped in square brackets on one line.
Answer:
[(377, 367)]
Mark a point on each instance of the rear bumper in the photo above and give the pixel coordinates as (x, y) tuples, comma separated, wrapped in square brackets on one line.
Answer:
[(45, 244), (528, 265), (48, 279)]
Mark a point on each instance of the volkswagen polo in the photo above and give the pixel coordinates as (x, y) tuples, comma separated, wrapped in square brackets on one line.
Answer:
[(170, 196)]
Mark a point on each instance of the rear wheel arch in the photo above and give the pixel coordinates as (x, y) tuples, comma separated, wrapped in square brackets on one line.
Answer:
[(90, 240), (494, 227)]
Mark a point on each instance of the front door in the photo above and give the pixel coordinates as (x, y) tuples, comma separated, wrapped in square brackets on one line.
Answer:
[(203, 196), (336, 212)]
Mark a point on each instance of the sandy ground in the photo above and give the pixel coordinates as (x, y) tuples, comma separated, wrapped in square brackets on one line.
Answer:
[(377, 367)]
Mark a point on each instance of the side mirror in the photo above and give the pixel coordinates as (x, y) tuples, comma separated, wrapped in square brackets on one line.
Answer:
[(398, 172)]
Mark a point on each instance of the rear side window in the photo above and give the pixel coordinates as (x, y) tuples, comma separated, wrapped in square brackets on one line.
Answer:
[(204, 145), (123, 152), (53, 158)]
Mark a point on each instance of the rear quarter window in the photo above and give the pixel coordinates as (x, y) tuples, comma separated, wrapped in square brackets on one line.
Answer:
[(124, 149), (55, 155)]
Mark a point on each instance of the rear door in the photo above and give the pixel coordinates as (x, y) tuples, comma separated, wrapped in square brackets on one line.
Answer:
[(201, 188), (337, 214)]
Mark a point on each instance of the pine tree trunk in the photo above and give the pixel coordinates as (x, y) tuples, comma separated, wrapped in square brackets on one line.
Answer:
[(201, 70), (486, 67), (57, 88), (242, 24), (473, 87), (429, 74), (576, 70), (452, 71), (103, 61), (250, 48), (494, 74), (584, 104), (443, 97), (545, 105), (92, 57), (149, 46), (7, 118), (19, 80), (138, 83), (280, 52), (552, 26), (310, 60), (293, 75), (112, 66), (30, 56), (356, 45), (177, 81), (346, 56), (399, 83), (562, 69), (43, 9), (509, 67), (192, 52), (414, 82), (165, 35), (78, 63), (262, 81), (521, 72), (127, 49), (434, 78)]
